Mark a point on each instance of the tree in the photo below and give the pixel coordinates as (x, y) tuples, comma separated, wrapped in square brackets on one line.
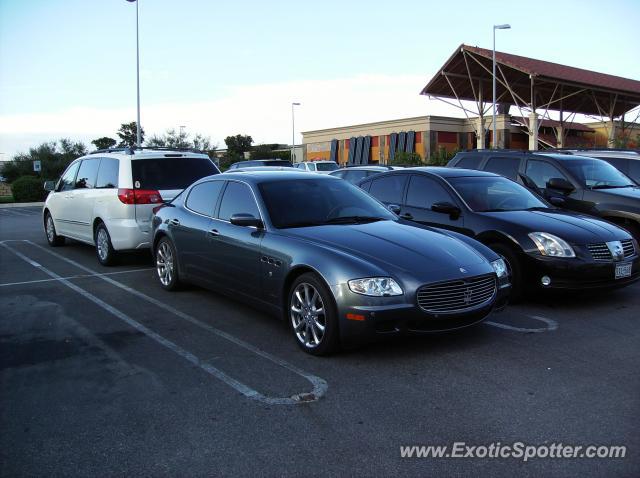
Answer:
[(104, 143), (238, 144), (54, 157), (128, 134), (173, 139)]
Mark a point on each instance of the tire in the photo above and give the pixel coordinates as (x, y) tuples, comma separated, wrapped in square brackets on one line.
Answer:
[(50, 231), (315, 329), (104, 249), (518, 287), (166, 261)]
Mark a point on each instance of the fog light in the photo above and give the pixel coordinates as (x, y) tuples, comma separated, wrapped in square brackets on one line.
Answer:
[(546, 280)]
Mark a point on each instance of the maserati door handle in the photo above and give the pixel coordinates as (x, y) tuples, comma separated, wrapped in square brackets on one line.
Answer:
[(174, 222), (214, 233)]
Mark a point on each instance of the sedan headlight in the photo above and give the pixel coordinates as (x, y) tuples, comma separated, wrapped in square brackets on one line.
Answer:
[(550, 245), (375, 286), (500, 267)]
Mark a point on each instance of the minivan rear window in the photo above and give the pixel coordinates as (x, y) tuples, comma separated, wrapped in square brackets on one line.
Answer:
[(170, 173)]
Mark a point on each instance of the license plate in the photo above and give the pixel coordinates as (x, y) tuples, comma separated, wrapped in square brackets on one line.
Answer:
[(623, 270)]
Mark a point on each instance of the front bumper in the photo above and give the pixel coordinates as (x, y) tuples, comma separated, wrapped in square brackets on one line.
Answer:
[(577, 273), (362, 322)]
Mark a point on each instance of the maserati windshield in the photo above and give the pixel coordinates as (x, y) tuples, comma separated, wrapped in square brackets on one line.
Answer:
[(487, 194), (314, 202)]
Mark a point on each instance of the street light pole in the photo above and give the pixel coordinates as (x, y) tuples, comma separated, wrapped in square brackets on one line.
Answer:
[(138, 129), (293, 132), (505, 26)]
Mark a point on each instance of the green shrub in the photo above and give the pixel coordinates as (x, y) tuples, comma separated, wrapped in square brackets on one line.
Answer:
[(28, 189), (406, 159)]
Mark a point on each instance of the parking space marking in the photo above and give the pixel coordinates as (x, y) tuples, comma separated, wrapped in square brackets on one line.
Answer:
[(320, 385), (78, 276), (551, 325)]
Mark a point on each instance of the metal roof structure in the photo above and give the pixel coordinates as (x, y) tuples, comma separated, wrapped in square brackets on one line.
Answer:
[(531, 85)]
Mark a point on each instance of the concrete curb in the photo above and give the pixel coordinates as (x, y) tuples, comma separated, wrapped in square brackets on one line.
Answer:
[(21, 204)]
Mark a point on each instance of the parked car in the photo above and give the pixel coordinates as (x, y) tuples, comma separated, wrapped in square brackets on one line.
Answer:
[(106, 198), (624, 160), (357, 173), (261, 163), (544, 247), (578, 183), (324, 255), (322, 167)]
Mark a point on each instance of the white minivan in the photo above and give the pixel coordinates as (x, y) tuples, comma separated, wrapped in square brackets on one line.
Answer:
[(106, 198)]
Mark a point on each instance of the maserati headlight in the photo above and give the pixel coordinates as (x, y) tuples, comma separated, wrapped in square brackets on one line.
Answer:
[(375, 286), (500, 267), (550, 245)]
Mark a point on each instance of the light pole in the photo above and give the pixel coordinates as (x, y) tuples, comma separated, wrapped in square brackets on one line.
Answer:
[(505, 26), (138, 132), (293, 132)]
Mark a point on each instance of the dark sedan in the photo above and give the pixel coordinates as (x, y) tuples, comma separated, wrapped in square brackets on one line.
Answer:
[(326, 256), (543, 246)]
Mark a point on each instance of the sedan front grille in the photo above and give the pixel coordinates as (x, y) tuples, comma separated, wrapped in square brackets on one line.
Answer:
[(457, 295), (629, 250), (601, 252)]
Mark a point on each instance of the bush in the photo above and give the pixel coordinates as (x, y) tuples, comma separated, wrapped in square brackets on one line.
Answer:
[(441, 157), (28, 189), (406, 159)]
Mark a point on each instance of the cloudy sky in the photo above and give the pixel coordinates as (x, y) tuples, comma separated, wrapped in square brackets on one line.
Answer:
[(67, 67)]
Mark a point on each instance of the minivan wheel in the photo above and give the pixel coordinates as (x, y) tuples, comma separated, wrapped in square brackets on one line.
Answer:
[(104, 249), (515, 271), (50, 229), (167, 265), (312, 316)]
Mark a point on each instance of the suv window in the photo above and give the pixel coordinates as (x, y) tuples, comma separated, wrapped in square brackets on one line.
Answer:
[(469, 162), (327, 166), (423, 192), (170, 173), (87, 173), (204, 196), (237, 199), (355, 176), (621, 164), (67, 181), (389, 189), (108, 173), (540, 172), (634, 170), (504, 166)]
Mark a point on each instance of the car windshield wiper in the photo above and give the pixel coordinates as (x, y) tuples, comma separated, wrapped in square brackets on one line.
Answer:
[(354, 219), (612, 186), (300, 224), (494, 210)]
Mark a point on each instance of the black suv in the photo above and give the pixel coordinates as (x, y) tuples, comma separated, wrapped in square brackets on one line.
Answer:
[(624, 160), (260, 163), (578, 183)]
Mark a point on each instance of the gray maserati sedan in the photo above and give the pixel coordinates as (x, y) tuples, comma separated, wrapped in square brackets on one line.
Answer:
[(325, 256)]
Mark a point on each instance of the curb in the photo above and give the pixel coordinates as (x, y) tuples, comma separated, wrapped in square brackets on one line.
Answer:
[(21, 204)]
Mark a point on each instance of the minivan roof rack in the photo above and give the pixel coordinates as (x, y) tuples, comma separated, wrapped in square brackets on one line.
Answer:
[(132, 150)]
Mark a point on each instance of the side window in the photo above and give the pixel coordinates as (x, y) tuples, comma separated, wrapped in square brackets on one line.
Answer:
[(423, 192), (355, 176), (237, 199), (389, 189), (469, 162), (634, 170), (504, 166), (312, 166), (366, 186), (540, 172), (204, 196), (301, 166), (67, 181), (87, 173), (341, 174), (108, 173)]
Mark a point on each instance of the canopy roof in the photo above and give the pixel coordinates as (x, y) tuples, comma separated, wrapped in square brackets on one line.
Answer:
[(533, 84)]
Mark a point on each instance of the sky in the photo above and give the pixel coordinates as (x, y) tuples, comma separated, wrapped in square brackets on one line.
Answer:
[(219, 68)]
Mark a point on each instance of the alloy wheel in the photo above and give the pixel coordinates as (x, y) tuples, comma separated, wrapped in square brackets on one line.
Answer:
[(102, 243), (308, 315), (164, 263), (51, 230)]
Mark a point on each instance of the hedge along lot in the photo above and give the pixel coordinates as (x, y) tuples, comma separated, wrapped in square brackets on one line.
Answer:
[(6, 199), (28, 189)]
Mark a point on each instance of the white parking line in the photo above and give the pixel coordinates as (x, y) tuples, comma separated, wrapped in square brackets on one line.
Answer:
[(78, 276), (319, 385), (551, 325)]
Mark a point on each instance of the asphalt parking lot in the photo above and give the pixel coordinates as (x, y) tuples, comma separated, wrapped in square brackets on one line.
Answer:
[(103, 373)]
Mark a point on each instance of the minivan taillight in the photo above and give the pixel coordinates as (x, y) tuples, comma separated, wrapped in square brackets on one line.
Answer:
[(139, 196)]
